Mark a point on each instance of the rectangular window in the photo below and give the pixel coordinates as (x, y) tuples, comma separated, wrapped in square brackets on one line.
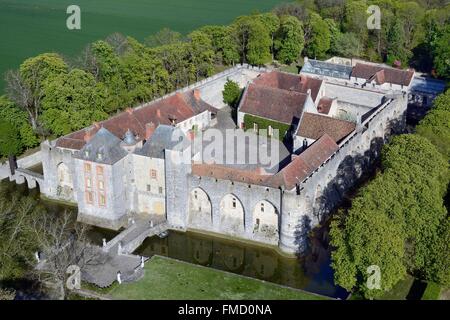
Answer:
[(99, 170), (87, 167), (149, 188), (89, 197), (255, 127), (101, 185), (153, 174), (88, 182), (160, 190), (101, 200)]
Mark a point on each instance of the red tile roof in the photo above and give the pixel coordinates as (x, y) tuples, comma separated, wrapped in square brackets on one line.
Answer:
[(180, 106), (324, 105), (272, 103), (382, 74), (291, 82), (222, 172), (313, 126), (295, 172), (305, 164)]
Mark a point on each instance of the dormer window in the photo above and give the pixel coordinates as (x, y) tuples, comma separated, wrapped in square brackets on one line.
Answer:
[(99, 156), (86, 153)]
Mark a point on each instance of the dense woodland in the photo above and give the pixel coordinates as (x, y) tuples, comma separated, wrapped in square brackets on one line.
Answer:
[(399, 221), (51, 95)]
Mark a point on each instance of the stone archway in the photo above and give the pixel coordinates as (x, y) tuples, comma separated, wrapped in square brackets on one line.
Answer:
[(65, 182), (231, 215), (200, 210), (265, 221)]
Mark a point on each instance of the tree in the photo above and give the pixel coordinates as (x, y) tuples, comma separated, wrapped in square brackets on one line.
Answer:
[(106, 62), (231, 93), (396, 50), (63, 243), (144, 77), (163, 37), (17, 241), (407, 195), (441, 51), (72, 101), (10, 143), (355, 19), (118, 42), (176, 60), (317, 36), (18, 118), (7, 294), (291, 9), (368, 235), (271, 23), (436, 124), (423, 176), (25, 87), (411, 14), (347, 45), (202, 54), (222, 43), (289, 40), (252, 39)]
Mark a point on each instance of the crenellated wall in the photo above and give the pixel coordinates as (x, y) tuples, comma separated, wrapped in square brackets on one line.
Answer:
[(318, 194)]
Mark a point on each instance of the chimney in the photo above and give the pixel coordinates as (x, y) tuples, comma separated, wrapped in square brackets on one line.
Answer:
[(129, 110), (149, 129), (191, 135), (158, 113), (96, 125), (305, 59), (260, 171), (308, 92), (88, 134), (197, 94)]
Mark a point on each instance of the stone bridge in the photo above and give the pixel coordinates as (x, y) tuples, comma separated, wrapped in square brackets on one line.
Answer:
[(32, 178)]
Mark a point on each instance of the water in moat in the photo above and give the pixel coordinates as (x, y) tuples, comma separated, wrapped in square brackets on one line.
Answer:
[(311, 272)]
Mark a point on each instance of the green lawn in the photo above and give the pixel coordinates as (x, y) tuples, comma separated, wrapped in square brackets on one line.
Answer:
[(400, 290), (30, 27), (166, 278), (432, 292)]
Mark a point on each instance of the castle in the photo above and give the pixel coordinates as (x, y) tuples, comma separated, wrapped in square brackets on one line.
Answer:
[(333, 119)]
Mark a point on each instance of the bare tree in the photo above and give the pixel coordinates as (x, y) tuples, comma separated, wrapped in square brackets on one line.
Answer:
[(21, 93), (7, 294), (62, 244), (87, 61), (119, 43)]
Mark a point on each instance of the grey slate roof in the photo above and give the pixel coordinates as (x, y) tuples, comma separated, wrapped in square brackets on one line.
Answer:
[(427, 85), (104, 147), (327, 69), (164, 138)]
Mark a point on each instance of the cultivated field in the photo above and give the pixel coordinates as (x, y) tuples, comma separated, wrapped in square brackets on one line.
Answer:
[(30, 27)]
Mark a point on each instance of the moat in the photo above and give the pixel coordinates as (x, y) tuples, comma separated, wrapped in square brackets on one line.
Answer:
[(311, 272)]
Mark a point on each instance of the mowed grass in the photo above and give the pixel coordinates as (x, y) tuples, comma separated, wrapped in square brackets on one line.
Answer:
[(30, 27), (169, 279), (400, 290)]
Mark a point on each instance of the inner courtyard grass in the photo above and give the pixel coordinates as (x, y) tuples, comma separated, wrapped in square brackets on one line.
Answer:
[(167, 278), (31, 27)]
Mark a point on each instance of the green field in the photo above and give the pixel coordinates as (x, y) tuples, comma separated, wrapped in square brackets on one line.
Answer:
[(166, 278), (30, 27)]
